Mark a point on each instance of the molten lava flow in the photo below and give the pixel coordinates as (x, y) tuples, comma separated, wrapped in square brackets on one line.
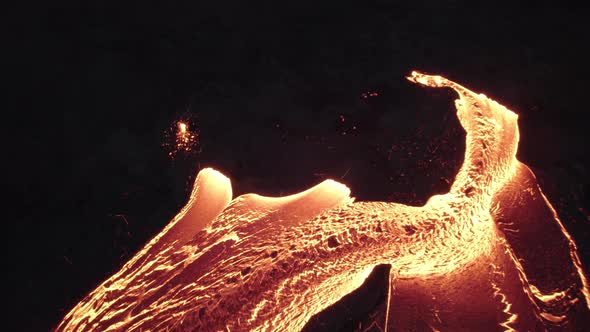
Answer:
[(491, 254)]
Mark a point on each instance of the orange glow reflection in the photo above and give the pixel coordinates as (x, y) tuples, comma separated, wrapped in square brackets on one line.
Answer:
[(489, 255)]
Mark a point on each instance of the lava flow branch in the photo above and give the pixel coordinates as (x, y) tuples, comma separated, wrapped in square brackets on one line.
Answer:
[(490, 255)]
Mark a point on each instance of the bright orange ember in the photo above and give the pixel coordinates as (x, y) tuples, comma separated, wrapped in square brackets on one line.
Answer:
[(182, 127), (181, 139), (489, 255)]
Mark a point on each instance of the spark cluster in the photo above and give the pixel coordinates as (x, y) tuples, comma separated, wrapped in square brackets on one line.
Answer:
[(181, 139)]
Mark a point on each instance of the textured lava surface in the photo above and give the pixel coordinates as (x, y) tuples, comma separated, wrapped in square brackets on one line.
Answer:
[(490, 255)]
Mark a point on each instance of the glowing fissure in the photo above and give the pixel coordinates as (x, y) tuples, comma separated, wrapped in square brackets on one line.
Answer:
[(573, 250), (261, 263), (512, 317)]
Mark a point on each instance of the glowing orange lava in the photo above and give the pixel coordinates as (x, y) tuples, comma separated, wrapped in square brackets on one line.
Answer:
[(490, 255)]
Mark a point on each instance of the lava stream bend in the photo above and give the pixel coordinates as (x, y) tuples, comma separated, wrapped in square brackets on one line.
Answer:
[(261, 263)]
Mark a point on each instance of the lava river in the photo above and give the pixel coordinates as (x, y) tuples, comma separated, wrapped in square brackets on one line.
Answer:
[(490, 255)]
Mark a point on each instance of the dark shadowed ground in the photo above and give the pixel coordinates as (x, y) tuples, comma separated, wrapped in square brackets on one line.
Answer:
[(282, 97)]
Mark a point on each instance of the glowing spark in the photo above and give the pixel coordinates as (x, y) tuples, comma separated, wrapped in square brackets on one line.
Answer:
[(180, 139), (182, 127), (465, 258)]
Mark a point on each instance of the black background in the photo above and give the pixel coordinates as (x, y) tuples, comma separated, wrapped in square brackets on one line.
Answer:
[(275, 92)]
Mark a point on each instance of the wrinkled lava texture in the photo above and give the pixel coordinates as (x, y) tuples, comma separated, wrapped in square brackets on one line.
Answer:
[(282, 97), (466, 260)]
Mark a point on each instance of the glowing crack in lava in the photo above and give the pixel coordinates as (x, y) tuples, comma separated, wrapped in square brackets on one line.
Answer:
[(490, 255)]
